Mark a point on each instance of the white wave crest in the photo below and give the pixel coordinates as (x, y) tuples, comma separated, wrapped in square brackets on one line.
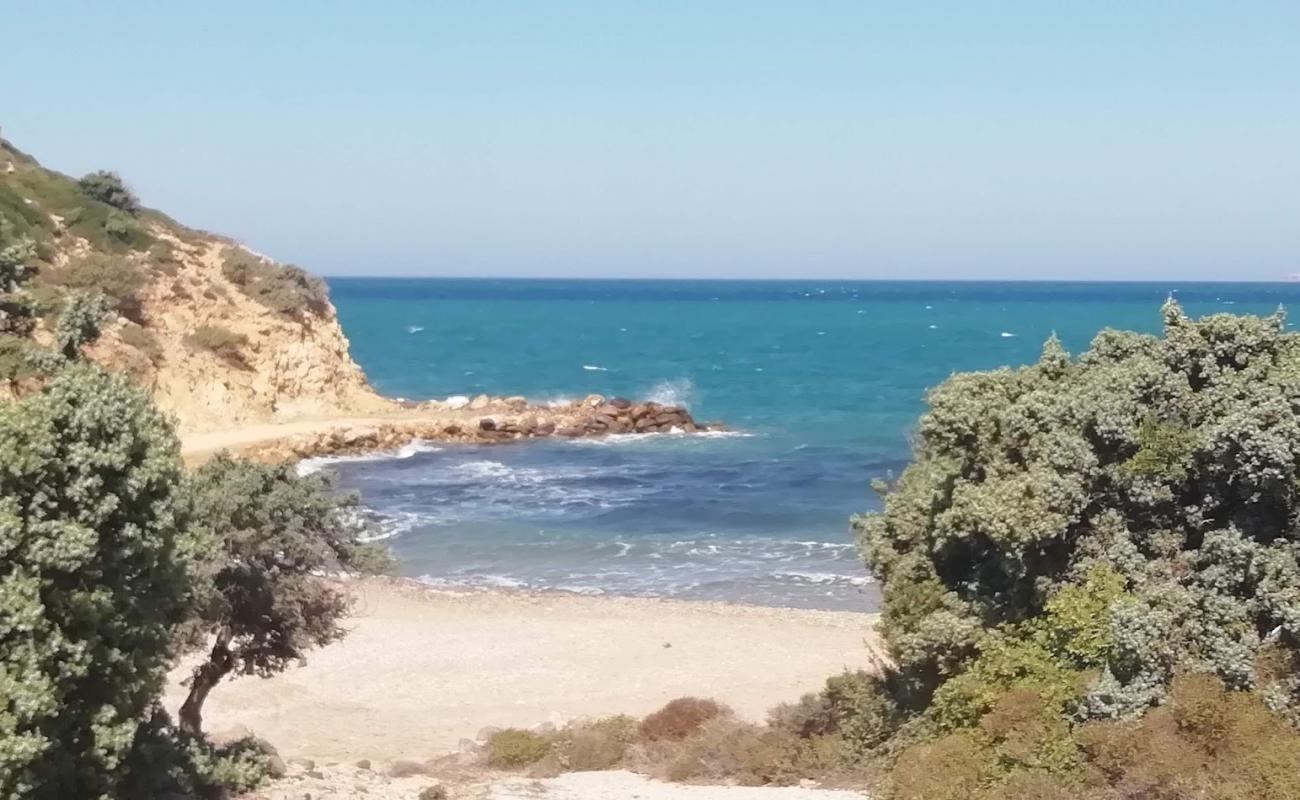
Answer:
[(823, 578), (594, 368), (309, 465), (676, 392), (615, 439)]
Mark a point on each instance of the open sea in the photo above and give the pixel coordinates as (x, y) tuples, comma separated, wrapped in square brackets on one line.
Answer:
[(822, 382)]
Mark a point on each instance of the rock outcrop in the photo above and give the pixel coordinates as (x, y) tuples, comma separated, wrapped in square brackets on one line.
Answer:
[(286, 368), (488, 420)]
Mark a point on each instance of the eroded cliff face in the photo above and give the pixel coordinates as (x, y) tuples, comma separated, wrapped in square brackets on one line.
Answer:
[(221, 336), (286, 368)]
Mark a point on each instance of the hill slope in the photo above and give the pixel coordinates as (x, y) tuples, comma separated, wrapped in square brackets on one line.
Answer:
[(222, 336)]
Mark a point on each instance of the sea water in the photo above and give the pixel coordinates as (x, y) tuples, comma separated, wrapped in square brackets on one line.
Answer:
[(821, 382)]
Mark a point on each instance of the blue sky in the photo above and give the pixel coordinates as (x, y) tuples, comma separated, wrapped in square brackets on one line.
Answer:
[(694, 138)]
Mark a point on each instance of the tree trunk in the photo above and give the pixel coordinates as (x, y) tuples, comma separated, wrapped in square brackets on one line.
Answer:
[(206, 676)]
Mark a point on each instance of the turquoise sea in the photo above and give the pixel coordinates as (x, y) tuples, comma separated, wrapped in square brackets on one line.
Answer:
[(821, 380)]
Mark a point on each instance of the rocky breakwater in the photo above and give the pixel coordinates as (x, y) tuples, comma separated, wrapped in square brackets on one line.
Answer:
[(487, 420)]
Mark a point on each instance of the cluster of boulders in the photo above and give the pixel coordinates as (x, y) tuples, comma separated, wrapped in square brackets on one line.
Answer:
[(486, 419)]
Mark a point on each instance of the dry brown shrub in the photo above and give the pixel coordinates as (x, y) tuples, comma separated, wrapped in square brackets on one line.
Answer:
[(1205, 743), (591, 745), (727, 750), (950, 768), (681, 718)]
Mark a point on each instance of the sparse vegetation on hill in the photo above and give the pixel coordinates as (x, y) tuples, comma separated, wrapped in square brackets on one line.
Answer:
[(165, 282), (219, 340), (283, 288)]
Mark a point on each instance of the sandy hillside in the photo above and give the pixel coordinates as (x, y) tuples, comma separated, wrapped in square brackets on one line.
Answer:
[(422, 670)]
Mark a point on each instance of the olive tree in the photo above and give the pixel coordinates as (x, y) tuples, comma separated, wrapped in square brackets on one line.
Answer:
[(263, 592), (1110, 519), (92, 580)]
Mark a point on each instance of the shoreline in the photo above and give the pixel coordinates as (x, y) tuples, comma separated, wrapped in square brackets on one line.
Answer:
[(482, 420), (425, 667)]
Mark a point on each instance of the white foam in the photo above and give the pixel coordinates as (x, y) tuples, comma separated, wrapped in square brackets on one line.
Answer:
[(1006, 335), (676, 392), (594, 368), (823, 578), (414, 328), (456, 402), (633, 438), (309, 465)]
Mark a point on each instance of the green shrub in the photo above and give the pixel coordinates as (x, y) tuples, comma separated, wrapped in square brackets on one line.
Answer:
[(116, 277), (220, 341), (15, 358), (1173, 462), (680, 718), (94, 579), (108, 188), (513, 748), (285, 289), (165, 763)]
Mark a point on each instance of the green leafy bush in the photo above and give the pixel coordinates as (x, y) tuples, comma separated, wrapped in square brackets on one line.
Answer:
[(165, 762), (93, 579), (116, 277), (15, 358), (80, 322), (108, 188), (1172, 461), (513, 748), (285, 289)]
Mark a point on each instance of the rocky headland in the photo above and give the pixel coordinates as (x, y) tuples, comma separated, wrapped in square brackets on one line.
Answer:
[(244, 352)]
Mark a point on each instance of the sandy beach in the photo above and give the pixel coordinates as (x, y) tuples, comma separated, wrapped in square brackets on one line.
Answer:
[(422, 669)]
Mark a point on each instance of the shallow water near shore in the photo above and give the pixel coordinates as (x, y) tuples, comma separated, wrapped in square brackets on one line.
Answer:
[(822, 380)]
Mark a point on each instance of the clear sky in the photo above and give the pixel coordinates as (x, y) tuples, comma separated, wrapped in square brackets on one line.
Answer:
[(668, 138)]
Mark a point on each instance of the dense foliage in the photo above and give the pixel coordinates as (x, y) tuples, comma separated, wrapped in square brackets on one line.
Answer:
[(1079, 532), (91, 580), (111, 561)]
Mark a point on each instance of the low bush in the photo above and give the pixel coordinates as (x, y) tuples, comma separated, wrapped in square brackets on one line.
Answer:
[(218, 340), (856, 705), (1206, 743), (594, 745), (141, 339), (15, 362), (165, 762), (163, 258), (285, 289), (108, 188), (727, 750), (681, 718), (513, 748), (116, 277)]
